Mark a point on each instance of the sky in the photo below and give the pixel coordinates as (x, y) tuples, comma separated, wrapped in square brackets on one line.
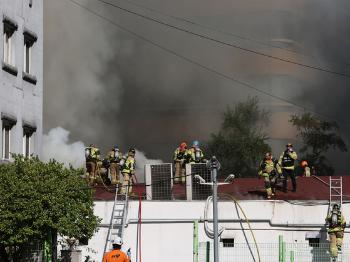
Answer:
[(108, 87)]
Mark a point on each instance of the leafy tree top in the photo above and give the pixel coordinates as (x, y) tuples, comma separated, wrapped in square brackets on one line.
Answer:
[(36, 197), (241, 142)]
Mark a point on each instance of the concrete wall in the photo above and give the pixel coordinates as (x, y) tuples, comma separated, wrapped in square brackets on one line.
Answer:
[(20, 98), (167, 227)]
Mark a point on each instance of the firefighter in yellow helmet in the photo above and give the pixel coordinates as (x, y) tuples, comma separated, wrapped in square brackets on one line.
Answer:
[(128, 166), (179, 162), (92, 158), (336, 225), (268, 171), (287, 164), (114, 156)]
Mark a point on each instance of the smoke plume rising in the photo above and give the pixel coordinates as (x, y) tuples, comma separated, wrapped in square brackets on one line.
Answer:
[(108, 87), (56, 145)]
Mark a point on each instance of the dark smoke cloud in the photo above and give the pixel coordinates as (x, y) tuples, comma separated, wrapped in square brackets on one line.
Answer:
[(108, 87)]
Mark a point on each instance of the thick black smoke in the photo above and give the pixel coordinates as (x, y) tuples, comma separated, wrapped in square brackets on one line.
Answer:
[(108, 87)]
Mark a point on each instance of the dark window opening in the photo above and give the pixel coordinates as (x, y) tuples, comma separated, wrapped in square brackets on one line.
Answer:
[(314, 242), (228, 242)]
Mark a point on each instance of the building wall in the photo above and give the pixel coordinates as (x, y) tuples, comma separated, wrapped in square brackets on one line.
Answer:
[(19, 98), (167, 227)]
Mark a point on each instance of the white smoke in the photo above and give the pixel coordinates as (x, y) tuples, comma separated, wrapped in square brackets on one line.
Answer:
[(141, 161), (56, 146)]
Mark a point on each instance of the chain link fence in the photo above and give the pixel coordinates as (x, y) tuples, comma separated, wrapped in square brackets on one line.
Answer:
[(271, 252)]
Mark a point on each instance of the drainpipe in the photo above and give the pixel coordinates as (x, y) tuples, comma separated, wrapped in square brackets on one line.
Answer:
[(207, 259), (291, 256), (280, 248), (283, 251), (195, 241)]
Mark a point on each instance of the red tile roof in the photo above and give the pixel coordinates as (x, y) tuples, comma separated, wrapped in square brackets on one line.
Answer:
[(308, 188)]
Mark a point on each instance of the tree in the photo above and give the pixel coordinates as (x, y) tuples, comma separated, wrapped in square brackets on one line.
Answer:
[(241, 143), (37, 198), (318, 137)]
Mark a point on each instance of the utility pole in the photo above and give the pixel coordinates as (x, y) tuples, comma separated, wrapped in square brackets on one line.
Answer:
[(214, 165)]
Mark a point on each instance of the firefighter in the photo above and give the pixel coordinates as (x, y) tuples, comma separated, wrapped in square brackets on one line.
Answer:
[(286, 162), (336, 225), (92, 158), (179, 161), (195, 154), (306, 169), (116, 255), (128, 170), (268, 172), (114, 156)]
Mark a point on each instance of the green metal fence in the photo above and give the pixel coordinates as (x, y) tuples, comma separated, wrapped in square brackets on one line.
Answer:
[(273, 252)]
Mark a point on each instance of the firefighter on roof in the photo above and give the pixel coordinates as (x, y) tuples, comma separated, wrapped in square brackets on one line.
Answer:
[(128, 165), (114, 156), (268, 172), (92, 158), (195, 154), (287, 162), (179, 161), (336, 225), (306, 169)]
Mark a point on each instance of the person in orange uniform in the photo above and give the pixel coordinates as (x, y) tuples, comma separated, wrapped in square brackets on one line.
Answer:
[(116, 255)]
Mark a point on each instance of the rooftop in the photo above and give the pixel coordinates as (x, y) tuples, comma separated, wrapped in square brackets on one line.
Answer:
[(308, 188)]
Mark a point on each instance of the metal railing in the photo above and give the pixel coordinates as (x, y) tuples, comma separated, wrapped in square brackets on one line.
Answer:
[(271, 252)]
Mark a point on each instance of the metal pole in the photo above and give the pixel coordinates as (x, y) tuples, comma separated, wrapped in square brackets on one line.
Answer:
[(214, 166), (280, 247), (195, 241), (291, 256), (283, 251)]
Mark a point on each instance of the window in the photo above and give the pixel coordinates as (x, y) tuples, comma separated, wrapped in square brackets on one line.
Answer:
[(29, 40), (228, 242), (7, 124), (314, 242), (28, 141), (9, 55)]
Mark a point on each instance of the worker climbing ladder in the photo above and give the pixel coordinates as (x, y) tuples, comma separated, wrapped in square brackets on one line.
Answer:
[(118, 218), (336, 197)]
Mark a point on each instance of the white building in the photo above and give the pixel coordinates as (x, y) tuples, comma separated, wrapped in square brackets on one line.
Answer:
[(21, 77), (168, 219)]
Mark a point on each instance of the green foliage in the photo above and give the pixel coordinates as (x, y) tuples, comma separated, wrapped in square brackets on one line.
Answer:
[(241, 143), (318, 137), (37, 197)]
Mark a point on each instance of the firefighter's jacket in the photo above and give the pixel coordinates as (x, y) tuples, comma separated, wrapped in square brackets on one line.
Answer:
[(194, 155), (180, 155), (267, 168), (112, 158), (129, 166), (287, 160), (94, 154), (339, 225)]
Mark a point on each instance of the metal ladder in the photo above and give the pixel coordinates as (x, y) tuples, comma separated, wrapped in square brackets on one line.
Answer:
[(336, 197), (118, 218), (336, 191)]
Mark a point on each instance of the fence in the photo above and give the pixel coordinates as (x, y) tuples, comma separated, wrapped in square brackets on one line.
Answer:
[(159, 179), (271, 252)]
